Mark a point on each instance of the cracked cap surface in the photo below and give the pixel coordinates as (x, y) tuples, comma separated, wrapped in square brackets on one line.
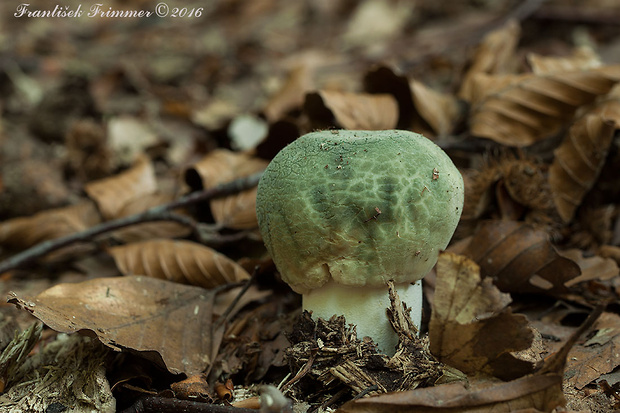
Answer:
[(358, 207)]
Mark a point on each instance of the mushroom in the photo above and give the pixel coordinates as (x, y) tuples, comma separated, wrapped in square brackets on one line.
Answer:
[(343, 212)]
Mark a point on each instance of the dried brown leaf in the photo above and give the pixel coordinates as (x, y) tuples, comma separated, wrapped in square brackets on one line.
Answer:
[(608, 108), (540, 393), (291, 96), (471, 328), (492, 56), (381, 80), (578, 162), (583, 58), (478, 190), (149, 230), (441, 111), (610, 251), (329, 108), (221, 166), (419, 107), (161, 320), (525, 183), (522, 110), (216, 167), (519, 258), (179, 261), (111, 194), (517, 185), (22, 233), (598, 355), (236, 211), (592, 268)]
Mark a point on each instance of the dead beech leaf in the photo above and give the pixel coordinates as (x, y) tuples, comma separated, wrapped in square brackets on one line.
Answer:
[(592, 268), (149, 230), (162, 320), (578, 163), (492, 56), (183, 262), (419, 107), (471, 327), (237, 211), (328, 108), (538, 393), (521, 110), (221, 166), (216, 167), (513, 183), (608, 108), (24, 232), (520, 259), (111, 194), (441, 111), (598, 355), (292, 94), (583, 58), (382, 79)]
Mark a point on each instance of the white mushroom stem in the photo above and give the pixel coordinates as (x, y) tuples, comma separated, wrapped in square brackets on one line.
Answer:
[(366, 308)]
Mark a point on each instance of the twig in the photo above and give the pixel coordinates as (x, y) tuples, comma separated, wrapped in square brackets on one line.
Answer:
[(367, 390), (329, 402), (158, 213), (578, 14), (234, 302), (301, 373), (168, 405)]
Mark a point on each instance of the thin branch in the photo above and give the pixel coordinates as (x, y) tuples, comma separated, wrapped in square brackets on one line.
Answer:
[(158, 213), (235, 301), (168, 405)]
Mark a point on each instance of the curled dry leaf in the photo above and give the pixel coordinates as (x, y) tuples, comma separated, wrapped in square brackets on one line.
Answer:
[(520, 259), (592, 268), (216, 167), (441, 111), (328, 108), (22, 233), (471, 328), (382, 79), (111, 194), (179, 261), (528, 394), (420, 108), (608, 108), (578, 162), (162, 320), (522, 110), (492, 56), (583, 58), (598, 355), (291, 96), (236, 211), (149, 230), (539, 392)]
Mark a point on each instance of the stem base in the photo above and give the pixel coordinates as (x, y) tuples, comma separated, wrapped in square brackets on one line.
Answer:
[(366, 308)]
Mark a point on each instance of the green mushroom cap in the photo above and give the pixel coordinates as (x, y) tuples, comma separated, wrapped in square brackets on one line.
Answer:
[(358, 208)]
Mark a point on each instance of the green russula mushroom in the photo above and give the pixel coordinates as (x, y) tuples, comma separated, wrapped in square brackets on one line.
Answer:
[(342, 212)]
